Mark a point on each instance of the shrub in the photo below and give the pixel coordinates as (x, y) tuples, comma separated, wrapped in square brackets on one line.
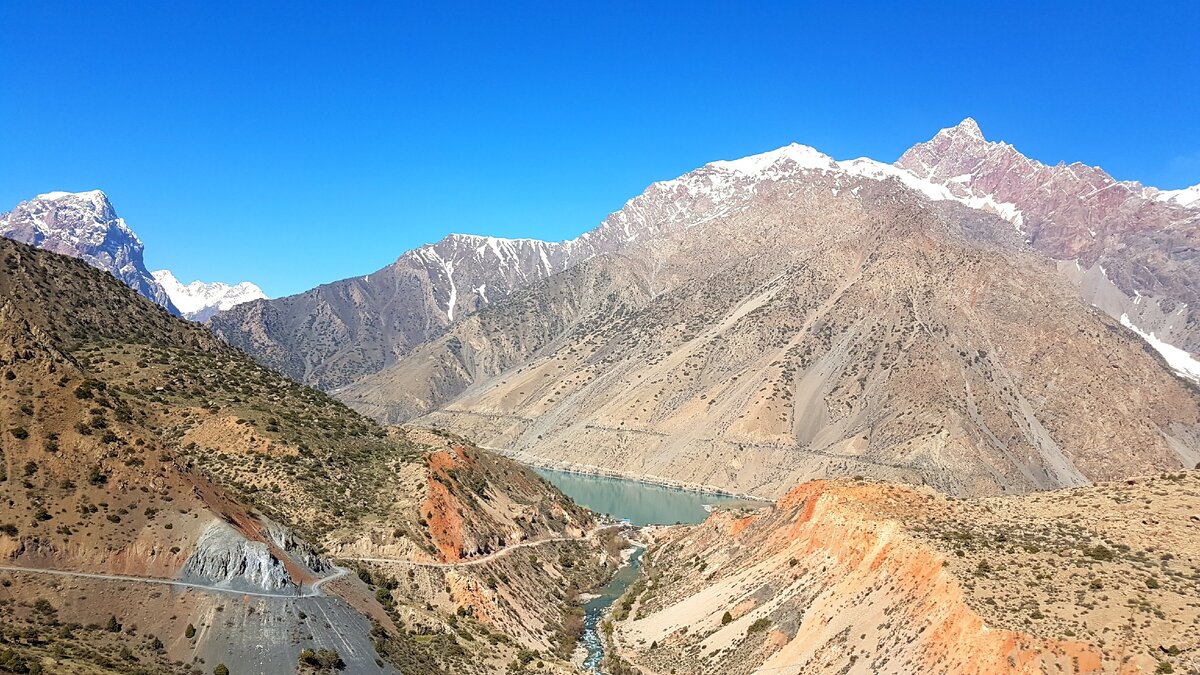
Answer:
[(96, 476), (19, 433), (189, 632), (113, 626), (221, 669), (324, 659), (726, 618), (759, 626)]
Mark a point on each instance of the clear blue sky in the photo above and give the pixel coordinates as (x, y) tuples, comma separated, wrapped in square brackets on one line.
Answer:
[(295, 145)]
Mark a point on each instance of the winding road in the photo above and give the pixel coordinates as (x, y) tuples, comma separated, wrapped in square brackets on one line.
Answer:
[(313, 591), (495, 555)]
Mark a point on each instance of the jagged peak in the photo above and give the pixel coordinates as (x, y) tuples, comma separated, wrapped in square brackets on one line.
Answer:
[(968, 128)]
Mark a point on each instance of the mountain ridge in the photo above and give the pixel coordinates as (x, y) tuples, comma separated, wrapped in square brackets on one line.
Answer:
[(199, 300), (380, 317)]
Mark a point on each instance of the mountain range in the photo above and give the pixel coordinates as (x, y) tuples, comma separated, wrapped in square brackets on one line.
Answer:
[(965, 381), (786, 316), (199, 301)]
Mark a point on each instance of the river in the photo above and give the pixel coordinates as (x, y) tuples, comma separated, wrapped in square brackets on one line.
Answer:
[(640, 503)]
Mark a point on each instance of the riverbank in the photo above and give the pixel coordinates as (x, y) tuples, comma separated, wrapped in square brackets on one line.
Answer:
[(590, 650)]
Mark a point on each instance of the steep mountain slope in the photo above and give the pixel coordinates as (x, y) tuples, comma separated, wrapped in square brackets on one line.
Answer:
[(141, 450), (84, 225), (854, 577), (338, 333), (199, 300), (834, 323), (1140, 240)]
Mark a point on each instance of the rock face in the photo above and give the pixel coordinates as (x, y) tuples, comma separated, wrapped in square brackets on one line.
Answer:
[(1146, 242), (199, 300), (84, 225), (855, 577), (223, 557)]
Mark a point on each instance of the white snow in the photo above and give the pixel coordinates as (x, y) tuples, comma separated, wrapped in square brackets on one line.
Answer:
[(1180, 361), (804, 156), (201, 299), (90, 195), (1189, 197), (869, 168)]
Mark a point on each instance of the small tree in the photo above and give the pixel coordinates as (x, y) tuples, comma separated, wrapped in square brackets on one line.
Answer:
[(726, 618), (221, 669), (189, 632), (113, 625)]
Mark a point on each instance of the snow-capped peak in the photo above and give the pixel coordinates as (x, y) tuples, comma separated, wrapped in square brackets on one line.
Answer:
[(89, 195), (968, 128), (84, 225), (1189, 197), (199, 300), (805, 157)]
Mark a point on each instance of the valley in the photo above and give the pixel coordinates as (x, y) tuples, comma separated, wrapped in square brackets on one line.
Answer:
[(170, 506), (781, 414)]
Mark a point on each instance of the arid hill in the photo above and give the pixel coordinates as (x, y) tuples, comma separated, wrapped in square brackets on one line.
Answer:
[(214, 492), (859, 577)]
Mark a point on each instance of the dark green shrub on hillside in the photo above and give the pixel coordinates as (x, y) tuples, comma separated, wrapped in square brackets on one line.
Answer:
[(759, 626)]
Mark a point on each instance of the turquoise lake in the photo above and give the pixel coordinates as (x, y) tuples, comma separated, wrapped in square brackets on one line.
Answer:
[(642, 503)]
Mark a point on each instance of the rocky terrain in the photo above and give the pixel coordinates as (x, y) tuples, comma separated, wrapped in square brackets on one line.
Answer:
[(839, 321), (859, 577), (84, 225), (199, 300), (763, 321), (1130, 250), (1141, 240), (140, 452)]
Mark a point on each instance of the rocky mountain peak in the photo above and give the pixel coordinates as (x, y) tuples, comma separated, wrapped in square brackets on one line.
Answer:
[(85, 225), (967, 129)]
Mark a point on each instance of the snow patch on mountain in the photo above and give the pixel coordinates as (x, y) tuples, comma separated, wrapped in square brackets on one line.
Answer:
[(1189, 197), (199, 300), (1180, 361)]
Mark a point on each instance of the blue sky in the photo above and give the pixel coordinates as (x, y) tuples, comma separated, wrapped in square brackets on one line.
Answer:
[(293, 145)]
